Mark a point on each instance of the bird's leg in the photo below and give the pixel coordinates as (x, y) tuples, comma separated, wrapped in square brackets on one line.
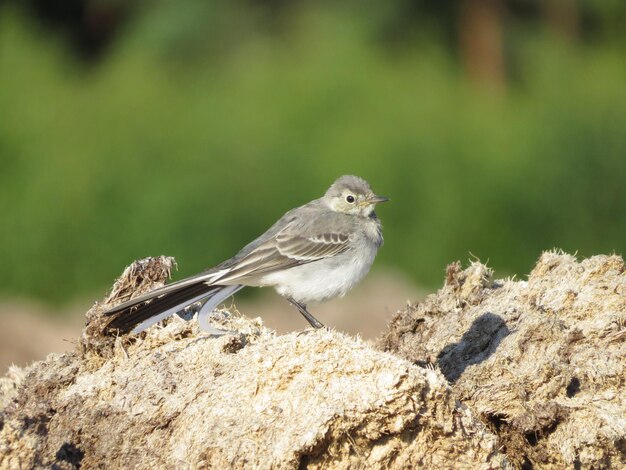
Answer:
[(315, 323)]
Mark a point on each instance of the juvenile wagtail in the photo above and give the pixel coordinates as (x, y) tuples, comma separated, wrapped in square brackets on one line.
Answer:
[(313, 253)]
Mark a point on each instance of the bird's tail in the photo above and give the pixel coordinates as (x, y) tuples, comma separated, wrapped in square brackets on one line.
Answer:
[(138, 314)]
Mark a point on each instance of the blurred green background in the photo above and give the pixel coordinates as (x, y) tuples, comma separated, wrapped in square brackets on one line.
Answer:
[(136, 128)]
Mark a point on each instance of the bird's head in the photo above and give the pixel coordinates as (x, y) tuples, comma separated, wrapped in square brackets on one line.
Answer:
[(352, 195)]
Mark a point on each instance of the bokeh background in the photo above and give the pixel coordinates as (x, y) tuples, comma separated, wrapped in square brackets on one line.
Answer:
[(146, 127)]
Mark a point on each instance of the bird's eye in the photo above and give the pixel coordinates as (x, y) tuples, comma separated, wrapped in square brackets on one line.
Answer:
[(350, 198)]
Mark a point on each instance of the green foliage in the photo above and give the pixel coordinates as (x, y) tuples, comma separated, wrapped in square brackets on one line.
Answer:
[(193, 155)]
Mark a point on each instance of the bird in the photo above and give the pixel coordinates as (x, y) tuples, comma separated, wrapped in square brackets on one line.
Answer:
[(313, 253)]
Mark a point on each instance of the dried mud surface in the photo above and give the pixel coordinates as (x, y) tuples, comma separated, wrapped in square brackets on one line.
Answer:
[(541, 362), (173, 398)]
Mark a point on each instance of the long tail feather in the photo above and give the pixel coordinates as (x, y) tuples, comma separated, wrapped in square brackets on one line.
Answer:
[(177, 286), (207, 309), (159, 307), (147, 323)]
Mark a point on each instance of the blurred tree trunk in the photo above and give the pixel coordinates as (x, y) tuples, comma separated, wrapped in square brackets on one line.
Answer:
[(481, 42), (562, 18)]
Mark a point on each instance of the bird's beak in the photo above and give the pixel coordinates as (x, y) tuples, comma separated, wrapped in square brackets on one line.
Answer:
[(376, 199)]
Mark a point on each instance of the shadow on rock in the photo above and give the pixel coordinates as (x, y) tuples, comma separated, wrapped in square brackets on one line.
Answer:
[(478, 343)]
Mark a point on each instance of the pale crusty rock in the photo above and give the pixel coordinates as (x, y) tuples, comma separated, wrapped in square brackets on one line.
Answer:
[(174, 398), (542, 362)]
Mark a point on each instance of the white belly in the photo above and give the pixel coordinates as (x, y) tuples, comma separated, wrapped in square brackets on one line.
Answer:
[(324, 279)]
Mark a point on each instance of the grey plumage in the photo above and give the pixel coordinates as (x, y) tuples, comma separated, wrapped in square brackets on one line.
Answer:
[(312, 253)]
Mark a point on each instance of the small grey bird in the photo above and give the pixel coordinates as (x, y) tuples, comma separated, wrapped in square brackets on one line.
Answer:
[(313, 253)]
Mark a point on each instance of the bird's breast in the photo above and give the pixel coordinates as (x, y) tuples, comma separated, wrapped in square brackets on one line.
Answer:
[(327, 278)]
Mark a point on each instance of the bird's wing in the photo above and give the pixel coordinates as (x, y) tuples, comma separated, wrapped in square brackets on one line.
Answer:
[(311, 248), (284, 251)]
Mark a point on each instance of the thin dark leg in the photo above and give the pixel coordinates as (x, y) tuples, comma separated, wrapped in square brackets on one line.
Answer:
[(305, 313)]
